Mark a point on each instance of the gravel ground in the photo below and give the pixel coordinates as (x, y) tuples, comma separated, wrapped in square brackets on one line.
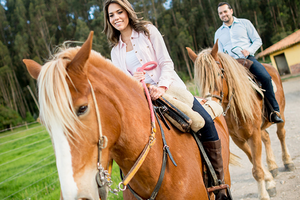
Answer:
[(287, 183)]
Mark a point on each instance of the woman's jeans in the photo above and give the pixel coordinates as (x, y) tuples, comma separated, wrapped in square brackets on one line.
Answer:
[(208, 132)]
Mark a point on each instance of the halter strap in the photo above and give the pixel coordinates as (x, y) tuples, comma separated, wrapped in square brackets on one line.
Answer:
[(102, 138)]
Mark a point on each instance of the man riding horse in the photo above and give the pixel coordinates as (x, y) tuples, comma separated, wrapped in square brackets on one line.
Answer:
[(239, 39)]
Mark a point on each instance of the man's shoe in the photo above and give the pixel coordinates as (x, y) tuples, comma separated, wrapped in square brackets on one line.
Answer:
[(275, 117)]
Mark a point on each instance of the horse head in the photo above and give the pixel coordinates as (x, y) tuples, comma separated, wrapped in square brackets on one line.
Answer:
[(68, 109), (222, 76), (208, 72)]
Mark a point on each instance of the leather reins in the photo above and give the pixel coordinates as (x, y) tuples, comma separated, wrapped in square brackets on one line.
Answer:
[(103, 178)]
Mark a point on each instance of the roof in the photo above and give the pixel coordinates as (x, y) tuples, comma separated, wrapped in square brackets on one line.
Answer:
[(288, 41)]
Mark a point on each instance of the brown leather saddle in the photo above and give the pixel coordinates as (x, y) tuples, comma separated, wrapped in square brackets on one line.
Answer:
[(245, 62), (166, 110)]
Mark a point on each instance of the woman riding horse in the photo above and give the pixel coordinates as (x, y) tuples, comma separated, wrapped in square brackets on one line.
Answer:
[(95, 113), (136, 42)]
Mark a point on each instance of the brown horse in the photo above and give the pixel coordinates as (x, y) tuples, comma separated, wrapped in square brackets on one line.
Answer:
[(223, 77), (66, 85)]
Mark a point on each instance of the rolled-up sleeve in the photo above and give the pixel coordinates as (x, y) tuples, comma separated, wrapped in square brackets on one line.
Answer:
[(255, 40)]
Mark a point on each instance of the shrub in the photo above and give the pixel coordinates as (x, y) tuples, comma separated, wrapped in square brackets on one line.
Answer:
[(29, 117), (8, 117)]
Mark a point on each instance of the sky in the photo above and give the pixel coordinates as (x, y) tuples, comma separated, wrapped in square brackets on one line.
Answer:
[(3, 2)]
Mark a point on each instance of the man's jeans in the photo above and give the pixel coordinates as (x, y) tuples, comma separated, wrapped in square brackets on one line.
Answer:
[(261, 74)]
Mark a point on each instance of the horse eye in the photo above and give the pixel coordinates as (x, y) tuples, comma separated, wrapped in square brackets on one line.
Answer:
[(81, 110)]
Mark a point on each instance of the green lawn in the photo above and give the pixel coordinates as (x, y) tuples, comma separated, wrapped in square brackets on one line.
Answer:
[(27, 165)]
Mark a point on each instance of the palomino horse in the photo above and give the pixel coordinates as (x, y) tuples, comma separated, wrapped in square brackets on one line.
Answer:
[(223, 77), (76, 89)]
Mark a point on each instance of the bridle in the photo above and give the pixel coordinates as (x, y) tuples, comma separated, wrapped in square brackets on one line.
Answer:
[(103, 178), (220, 97)]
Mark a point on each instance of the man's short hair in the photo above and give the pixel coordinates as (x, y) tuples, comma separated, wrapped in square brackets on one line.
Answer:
[(224, 3)]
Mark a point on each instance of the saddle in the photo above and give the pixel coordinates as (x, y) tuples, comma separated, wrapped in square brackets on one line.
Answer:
[(179, 119), (245, 62), (182, 116)]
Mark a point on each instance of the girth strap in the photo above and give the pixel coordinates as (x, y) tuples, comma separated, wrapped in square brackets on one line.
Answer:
[(166, 147), (158, 184), (166, 151)]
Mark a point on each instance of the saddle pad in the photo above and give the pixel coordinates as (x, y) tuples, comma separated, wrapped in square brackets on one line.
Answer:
[(197, 120), (213, 108), (183, 100)]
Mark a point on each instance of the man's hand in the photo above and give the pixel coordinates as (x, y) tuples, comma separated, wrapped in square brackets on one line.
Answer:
[(245, 53), (139, 76), (156, 92)]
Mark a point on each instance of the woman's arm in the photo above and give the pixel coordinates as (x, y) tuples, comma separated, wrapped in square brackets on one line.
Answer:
[(164, 60)]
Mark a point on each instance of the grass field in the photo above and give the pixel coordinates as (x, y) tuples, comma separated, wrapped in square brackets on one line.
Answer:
[(27, 165)]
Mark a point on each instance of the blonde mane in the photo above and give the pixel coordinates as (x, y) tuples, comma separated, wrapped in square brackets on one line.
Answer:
[(55, 100), (206, 76)]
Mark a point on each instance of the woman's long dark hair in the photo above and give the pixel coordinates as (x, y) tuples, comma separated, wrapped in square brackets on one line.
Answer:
[(136, 23)]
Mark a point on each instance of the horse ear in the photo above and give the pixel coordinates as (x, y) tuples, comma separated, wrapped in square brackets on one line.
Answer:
[(214, 51), (191, 53), (83, 54), (33, 68)]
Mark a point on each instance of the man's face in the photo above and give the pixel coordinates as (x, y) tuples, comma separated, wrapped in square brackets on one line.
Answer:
[(225, 13)]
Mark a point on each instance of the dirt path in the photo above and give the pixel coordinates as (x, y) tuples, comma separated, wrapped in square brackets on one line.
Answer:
[(287, 183)]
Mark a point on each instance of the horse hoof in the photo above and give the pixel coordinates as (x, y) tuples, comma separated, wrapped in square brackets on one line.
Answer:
[(274, 172), (272, 192), (289, 167)]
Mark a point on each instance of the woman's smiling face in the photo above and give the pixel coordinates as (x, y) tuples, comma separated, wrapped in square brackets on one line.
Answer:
[(118, 17)]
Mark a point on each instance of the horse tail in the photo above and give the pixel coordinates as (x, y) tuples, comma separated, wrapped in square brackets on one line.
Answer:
[(235, 160)]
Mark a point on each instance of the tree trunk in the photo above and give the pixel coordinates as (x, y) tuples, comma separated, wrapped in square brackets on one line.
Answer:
[(21, 99), (183, 51), (4, 93), (145, 9), (213, 14), (207, 35), (257, 27), (13, 100), (271, 8), (155, 15), (281, 22)]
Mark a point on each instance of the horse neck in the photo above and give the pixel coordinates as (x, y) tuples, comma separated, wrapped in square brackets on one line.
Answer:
[(124, 113), (236, 96)]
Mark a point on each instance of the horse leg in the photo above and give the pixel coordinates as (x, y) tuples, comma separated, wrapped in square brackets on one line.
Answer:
[(272, 166), (257, 170), (286, 158), (270, 183), (243, 145)]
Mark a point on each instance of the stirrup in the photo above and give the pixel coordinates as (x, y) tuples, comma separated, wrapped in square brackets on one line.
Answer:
[(221, 187), (277, 117)]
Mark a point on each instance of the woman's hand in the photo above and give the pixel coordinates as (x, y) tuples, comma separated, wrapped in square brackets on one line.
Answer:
[(245, 53), (156, 92), (139, 76)]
